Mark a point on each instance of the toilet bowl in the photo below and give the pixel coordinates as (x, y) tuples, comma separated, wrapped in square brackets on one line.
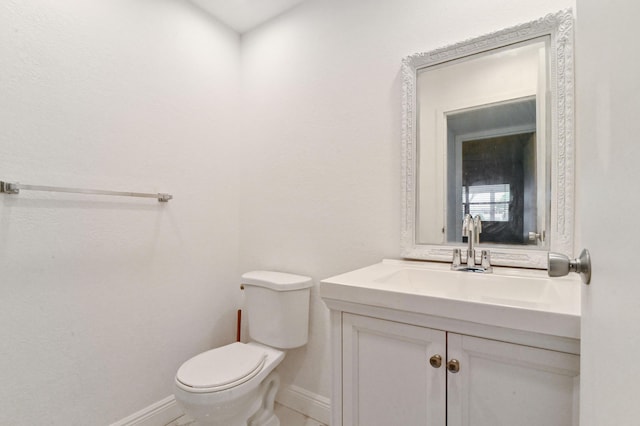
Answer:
[(236, 384), (228, 386)]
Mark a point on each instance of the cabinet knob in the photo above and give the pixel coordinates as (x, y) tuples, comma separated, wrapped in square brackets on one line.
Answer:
[(453, 366), (435, 361)]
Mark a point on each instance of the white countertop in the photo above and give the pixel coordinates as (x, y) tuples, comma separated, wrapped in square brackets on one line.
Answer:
[(520, 299)]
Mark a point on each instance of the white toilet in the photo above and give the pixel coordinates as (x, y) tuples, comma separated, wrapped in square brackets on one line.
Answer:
[(236, 384)]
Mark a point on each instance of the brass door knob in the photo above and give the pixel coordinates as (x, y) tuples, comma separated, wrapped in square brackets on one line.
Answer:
[(453, 366), (435, 361)]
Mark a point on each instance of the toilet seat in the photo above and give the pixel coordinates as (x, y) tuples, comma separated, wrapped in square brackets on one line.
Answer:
[(221, 368)]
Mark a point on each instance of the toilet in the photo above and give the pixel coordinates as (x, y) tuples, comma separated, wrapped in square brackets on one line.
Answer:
[(236, 384)]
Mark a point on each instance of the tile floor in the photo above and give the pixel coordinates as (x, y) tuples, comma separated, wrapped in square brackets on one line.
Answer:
[(287, 417)]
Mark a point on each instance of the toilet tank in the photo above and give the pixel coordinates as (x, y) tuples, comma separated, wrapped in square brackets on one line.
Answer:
[(277, 308)]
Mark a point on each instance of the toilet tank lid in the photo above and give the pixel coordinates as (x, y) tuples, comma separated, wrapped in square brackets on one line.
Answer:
[(278, 281)]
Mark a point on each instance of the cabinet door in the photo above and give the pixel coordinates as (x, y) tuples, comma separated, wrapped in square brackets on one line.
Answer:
[(387, 377), (503, 384)]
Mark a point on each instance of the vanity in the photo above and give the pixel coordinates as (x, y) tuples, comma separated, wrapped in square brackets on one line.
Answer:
[(414, 343), (468, 328)]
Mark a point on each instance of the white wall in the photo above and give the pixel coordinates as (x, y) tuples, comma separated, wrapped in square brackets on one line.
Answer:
[(102, 298), (321, 180)]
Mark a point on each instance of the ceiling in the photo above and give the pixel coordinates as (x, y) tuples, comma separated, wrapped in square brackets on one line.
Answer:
[(244, 15)]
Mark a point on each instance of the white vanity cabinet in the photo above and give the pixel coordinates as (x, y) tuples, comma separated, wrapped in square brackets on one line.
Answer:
[(391, 376), (513, 336)]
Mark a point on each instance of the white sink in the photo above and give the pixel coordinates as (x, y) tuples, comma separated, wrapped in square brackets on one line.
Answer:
[(525, 291), (508, 297)]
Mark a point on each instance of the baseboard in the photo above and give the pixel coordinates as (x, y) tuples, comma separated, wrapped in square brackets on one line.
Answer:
[(298, 399), (308, 403), (156, 414)]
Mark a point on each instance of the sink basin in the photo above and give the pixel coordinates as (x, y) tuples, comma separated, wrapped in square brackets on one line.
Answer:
[(509, 297), (531, 291)]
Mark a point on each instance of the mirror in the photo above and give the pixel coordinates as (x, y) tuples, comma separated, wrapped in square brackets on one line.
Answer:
[(488, 131), (484, 116)]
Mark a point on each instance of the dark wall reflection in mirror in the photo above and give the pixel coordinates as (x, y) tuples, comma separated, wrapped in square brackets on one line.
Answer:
[(492, 171)]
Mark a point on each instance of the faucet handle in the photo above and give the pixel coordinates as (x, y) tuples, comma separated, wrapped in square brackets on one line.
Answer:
[(456, 258), (486, 260)]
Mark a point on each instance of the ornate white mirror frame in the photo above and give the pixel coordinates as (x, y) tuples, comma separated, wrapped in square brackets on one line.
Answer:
[(559, 28)]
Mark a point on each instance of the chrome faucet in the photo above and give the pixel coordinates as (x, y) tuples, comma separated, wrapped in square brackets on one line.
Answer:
[(472, 228)]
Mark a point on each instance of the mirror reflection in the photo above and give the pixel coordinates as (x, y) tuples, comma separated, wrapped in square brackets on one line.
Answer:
[(491, 156), (482, 146)]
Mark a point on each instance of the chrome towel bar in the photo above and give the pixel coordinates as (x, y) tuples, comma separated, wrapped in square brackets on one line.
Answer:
[(14, 188)]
